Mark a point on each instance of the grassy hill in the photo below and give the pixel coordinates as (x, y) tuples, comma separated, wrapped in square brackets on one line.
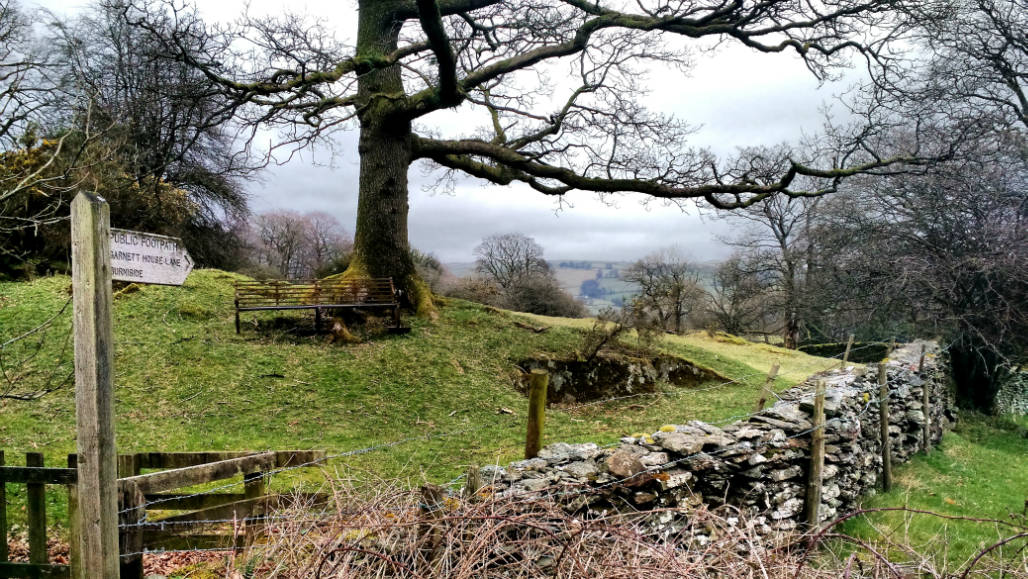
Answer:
[(186, 381), (428, 403)]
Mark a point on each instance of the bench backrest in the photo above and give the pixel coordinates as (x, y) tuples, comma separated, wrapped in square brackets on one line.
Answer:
[(332, 292)]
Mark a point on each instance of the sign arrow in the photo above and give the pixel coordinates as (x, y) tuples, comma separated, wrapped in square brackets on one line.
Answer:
[(148, 258)]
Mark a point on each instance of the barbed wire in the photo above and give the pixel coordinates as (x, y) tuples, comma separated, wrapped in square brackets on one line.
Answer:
[(870, 401), (431, 436), (749, 447)]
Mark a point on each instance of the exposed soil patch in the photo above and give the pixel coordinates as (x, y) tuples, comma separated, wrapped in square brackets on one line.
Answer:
[(616, 373)]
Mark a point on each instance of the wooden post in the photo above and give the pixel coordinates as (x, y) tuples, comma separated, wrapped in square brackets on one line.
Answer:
[(771, 375), (474, 483), (432, 505), (812, 506), (892, 345), (253, 488), (133, 511), (883, 413), (128, 465), (538, 380), (4, 555), (94, 388), (926, 429), (36, 513), (920, 361), (846, 355), (74, 556)]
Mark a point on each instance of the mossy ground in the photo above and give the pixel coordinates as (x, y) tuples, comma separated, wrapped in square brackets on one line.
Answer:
[(980, 470)]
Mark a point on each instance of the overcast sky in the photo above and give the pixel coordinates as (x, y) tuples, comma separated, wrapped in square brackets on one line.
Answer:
[(740, 98)]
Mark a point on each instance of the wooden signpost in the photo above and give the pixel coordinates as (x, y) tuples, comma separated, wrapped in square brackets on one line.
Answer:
[(100, 254)]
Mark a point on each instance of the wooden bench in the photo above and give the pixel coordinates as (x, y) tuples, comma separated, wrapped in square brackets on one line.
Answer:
[(317, 295)]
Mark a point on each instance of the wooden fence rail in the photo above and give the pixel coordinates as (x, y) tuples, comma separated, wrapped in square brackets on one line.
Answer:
[(35, 477), (140, 492)]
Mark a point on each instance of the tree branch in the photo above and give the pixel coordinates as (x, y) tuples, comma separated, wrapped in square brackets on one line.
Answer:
[(432, 24)]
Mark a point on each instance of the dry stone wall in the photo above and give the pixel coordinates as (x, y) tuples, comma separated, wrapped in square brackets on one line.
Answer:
[(758, 465)]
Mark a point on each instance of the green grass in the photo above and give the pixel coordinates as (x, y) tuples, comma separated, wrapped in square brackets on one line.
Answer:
[(184, 381), (980, 470)]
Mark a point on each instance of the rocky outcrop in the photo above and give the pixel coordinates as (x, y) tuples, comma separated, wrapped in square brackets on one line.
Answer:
[(759, 464), (613, 373)]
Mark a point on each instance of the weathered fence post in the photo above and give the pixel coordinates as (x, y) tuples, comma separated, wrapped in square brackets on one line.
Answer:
[(432, 505), (926, 429), (36, 513), (94, 388), (883, 413), (254, 488), (133, 512), (812, 506), (920, 361), (3, 516), (538, 380), (846, 355), (766, 389), (74, 555), (473, 484)]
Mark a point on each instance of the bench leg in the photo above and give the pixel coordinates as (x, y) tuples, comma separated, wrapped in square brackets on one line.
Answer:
[(237, 321)]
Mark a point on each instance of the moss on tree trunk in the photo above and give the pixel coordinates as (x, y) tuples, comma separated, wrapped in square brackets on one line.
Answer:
[(381, 247)]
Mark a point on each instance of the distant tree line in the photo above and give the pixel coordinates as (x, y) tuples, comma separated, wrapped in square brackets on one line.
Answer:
[(510, 272), (942, 254)]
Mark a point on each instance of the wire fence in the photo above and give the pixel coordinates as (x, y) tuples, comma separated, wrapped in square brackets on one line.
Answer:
[(461, 432), (870, 402), (568, 491)]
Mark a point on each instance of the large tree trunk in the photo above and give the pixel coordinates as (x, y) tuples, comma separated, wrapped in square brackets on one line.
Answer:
[(380, 245)]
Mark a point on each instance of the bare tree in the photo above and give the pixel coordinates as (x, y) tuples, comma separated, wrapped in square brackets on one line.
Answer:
[(955, 247), (327, 241), (975, 64), (510, 258), (669, 288), (738, 297), (26, 99), (169, 124), (780, 255), (413, 58), (297, 245)]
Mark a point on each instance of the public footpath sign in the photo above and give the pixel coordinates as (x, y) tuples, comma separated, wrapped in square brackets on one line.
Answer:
[(148, 258)]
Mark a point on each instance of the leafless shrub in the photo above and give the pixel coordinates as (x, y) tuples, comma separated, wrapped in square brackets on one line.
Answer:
[(390, 530), (395, 533)]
